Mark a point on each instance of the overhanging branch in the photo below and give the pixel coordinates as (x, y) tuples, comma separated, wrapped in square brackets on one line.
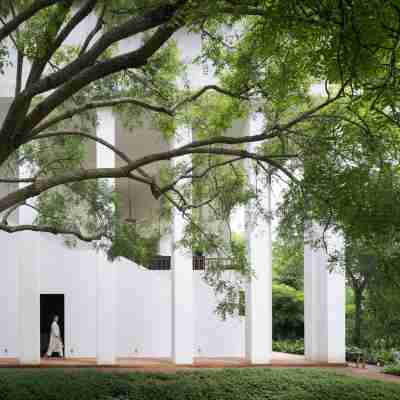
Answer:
[(14, 23), (129, 100), (100, 104), (51, 229)]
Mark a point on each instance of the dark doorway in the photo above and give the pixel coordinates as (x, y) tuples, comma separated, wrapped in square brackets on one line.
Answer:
[(50, 305)]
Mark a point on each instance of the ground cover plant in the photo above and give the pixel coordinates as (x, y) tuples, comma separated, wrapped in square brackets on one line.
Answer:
[(392, 369), (289, 346), (273, 384)]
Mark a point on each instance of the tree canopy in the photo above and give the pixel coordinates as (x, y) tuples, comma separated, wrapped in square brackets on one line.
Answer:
[(323, 73)]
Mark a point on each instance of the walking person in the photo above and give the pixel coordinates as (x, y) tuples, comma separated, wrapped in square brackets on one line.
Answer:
[(55, 342)]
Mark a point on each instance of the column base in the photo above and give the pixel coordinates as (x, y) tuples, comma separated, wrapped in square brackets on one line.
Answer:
[(183, 361), (105, 362), (29, 362), (259, 361)]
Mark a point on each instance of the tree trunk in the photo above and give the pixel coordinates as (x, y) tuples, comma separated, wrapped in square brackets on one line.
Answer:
[(358, 298)]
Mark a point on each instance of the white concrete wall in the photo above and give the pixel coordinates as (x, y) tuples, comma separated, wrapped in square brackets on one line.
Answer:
[(29, 254), (142, 312), (214, 337), (8, 296), (72, 272), (8, 266)]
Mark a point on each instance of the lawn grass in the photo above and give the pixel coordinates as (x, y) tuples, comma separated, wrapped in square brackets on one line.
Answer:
[(232, 384)]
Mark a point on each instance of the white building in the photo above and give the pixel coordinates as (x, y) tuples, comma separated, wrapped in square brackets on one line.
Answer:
[(113, 310)]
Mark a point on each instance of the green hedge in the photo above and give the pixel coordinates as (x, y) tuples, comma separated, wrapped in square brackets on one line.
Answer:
[(393, 369), (228, 384), (289, 346), (288, 311), (353, 353)]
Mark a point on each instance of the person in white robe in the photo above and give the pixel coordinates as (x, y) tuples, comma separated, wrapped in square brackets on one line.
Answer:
[(55, 343)]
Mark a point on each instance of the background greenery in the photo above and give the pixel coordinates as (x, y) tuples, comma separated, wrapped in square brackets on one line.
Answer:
[(372, 325)]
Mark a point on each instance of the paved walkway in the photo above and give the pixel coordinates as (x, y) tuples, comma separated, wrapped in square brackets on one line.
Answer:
[(370, 372), (278, 360)]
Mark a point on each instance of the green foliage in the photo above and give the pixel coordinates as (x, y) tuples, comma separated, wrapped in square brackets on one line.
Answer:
[(132, 240), (86, 207), (288, 262), (4, 61), (228, 283), (392, 369), (346, 154), (287, 289), (134, 245), (380, 356), (40, 31), (213, 115), (289, 346), (249, 383), (382, 305), (288, 311)]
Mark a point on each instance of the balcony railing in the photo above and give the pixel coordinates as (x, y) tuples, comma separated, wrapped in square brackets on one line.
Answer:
[(200, 263), (160, 263)]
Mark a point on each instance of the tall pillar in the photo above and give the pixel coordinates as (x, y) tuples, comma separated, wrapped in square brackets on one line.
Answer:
[(182, 279), (259, 287), (324, 302), (29, 297), (27, 245), (106, 339), (105, 311)]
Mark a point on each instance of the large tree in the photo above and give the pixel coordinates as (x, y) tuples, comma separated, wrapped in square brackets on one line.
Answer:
[(332, 150)]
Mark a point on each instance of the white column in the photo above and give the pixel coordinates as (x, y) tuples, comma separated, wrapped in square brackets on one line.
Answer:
[(105, 158), (259, 287), (106, 130), (165, 244), (105, 311), (27, 244), (29, 297), (324, 302), (182, 279)]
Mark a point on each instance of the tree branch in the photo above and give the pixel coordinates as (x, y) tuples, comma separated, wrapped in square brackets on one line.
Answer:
[(95, 30), (145, 179), (132, 59), (129, 100), (16, 180), (42, 185), (85, 70), (95, 138), (135, 25), (99, 104), (196, 95), (12, 25), (7, 214), (270, 133), (51, 229)]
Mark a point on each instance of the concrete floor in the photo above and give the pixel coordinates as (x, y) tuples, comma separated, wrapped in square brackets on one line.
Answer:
[(137, 363)]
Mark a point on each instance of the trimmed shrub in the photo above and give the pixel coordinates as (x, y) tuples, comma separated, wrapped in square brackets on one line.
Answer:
[(289, 346), (392, 369), (225, 384), (288, 312)]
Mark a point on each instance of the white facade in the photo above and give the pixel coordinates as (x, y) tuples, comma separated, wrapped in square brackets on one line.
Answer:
[(324, 302), (141, 313), (120, 309), (259, 287)]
